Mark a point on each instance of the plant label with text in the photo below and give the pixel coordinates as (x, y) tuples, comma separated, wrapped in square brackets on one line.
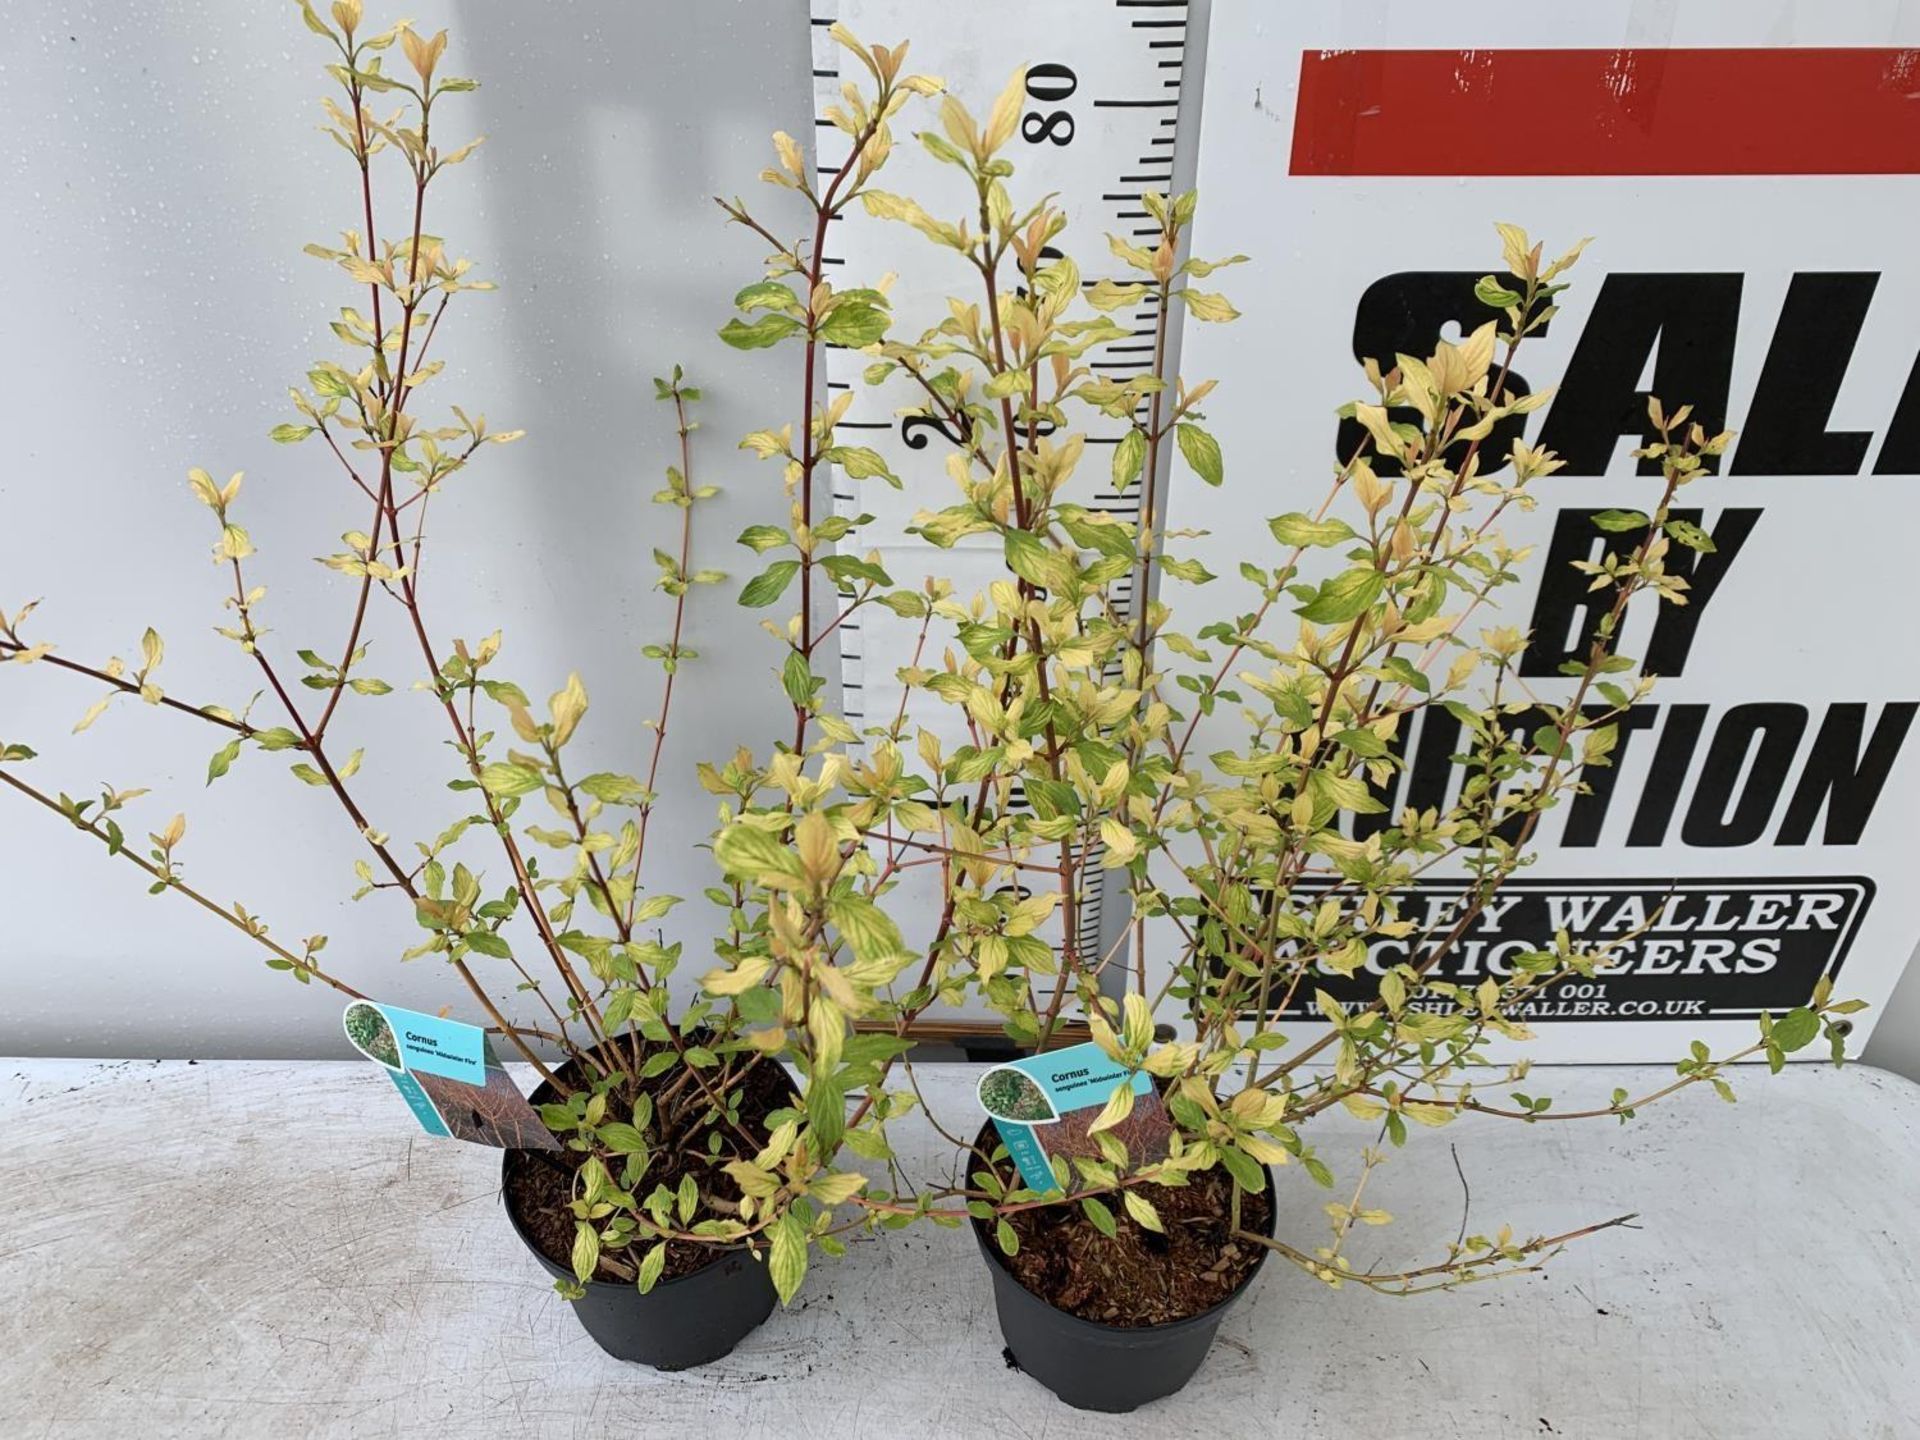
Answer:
[(446, 1072), (1050, 1104)]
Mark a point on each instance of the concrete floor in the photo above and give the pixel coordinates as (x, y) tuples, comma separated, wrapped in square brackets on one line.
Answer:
[(263, 1248)]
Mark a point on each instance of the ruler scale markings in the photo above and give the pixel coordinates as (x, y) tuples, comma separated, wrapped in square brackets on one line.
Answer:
[(1103, 68)]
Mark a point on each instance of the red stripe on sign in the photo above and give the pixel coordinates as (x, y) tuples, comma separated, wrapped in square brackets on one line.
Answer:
[(1608, 112)]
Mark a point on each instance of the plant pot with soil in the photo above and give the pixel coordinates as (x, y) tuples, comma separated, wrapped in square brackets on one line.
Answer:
[(1110, 1321), (708, 1298)]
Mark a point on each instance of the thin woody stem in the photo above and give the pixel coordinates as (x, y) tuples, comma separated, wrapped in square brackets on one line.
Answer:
[(354, 92), (298, 963), (394, 397), (1477, 1267), (522, 876), (335, 782), (1705, 1073), (987, 262), (10, 646), (673, 647)]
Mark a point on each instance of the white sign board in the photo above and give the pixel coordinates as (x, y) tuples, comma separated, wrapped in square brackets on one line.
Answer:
[(1753, 200)]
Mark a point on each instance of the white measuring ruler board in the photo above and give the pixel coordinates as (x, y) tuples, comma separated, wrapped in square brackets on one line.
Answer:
[(1099, 127)]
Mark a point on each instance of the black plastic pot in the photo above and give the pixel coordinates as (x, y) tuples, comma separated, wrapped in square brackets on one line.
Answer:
[(1103, 1367), (692, 1320)]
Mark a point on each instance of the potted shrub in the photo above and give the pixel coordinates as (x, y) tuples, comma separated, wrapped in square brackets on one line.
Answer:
[(1228, 777), (1047, 740), (693, 1172)]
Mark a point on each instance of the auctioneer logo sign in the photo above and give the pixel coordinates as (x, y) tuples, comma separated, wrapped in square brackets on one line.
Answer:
[(1722, 949), (1751, 208)]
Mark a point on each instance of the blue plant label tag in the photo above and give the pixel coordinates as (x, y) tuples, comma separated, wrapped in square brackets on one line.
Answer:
[(446, 1072), (1043, 1104), (418, 1102), (438, 1046)]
